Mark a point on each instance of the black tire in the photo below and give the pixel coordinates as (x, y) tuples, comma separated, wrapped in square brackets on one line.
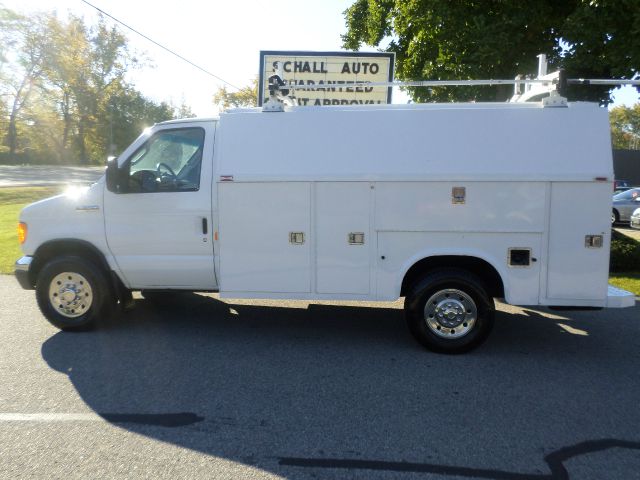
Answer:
[(86, 281), (615, 217), (459, 297)]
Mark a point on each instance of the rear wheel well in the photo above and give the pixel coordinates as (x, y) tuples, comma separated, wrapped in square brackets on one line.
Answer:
[(481, 268)]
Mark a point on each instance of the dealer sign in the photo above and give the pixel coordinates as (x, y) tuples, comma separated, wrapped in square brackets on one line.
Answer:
[(330, 73)]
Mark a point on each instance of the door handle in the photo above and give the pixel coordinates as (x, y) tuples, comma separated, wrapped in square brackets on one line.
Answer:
[(205, 228)]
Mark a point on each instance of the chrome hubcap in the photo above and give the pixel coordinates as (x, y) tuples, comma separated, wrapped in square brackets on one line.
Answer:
[(70, 294), (450, 313)]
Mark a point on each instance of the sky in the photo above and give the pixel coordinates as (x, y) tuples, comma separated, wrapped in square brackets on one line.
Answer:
[(223, 37)]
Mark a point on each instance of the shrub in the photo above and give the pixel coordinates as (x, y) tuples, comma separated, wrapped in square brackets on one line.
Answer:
[(625, 253)]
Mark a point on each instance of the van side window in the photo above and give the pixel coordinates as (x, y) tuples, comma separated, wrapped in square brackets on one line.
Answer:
[(168, 162)]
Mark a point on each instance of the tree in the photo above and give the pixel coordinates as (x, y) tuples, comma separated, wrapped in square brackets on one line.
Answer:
[(130, 113), (245, 97), (467, 39), (625, 127), (63, 91), (88, 68), (32, 44), (183, 110)]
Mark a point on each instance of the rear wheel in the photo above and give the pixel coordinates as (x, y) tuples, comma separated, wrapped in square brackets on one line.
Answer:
[(615, 217), (73, 293), (449, 311)]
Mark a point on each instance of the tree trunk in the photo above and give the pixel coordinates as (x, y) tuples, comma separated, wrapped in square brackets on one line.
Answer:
[(12, 135), (82, 147), (11, 139), (66, 117)]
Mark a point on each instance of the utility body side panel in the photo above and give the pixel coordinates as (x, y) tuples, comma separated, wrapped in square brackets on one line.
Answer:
[(452, 142), (488, 207), (510, 161), (402, 249)]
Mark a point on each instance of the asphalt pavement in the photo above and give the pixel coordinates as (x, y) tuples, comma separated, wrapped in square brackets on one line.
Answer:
[(199, 388), (44, 175)]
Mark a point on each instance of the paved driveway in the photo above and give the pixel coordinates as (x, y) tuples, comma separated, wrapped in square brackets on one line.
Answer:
[(24, 176), (630, 232), (265, 389)]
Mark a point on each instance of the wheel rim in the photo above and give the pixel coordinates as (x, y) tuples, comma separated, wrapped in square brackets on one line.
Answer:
[(613, 218), (70, 294), (450, 313)]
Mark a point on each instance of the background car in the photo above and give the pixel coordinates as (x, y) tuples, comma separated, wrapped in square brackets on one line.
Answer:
[(635, 219), (624, 204)]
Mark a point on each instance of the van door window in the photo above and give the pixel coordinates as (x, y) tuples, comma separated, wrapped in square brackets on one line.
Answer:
[(168, 162)]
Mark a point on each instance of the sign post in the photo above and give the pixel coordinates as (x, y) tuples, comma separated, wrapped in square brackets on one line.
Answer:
[(332, 72)]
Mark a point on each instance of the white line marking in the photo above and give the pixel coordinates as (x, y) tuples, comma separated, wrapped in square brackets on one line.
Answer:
[(51, 417)]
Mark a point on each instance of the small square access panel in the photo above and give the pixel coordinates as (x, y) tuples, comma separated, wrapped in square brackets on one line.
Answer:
[(519, 257)]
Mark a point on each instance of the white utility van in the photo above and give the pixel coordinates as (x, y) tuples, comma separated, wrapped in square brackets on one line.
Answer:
[(448, 205)]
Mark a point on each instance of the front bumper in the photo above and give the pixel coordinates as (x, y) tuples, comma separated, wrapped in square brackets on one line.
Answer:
[(21, 269)]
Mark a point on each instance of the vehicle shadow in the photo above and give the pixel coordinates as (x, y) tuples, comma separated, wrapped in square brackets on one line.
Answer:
[(268, 385)]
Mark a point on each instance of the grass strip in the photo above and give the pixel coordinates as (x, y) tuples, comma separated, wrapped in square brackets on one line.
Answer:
[(12, 200), (626, 280), (25, 195)]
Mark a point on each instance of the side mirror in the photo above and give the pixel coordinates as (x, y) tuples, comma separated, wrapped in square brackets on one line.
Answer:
[(112, 175)]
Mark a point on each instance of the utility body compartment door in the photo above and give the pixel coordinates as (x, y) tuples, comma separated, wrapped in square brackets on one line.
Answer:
[(265, 237), (344, 239)]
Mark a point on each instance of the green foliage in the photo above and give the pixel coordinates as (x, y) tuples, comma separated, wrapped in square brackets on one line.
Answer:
[(625, 253), (467, 39), (64, 97), (625, 127), (246, 97)]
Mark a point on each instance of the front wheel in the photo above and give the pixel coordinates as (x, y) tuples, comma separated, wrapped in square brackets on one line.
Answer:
[(449, 311), (74, 294)]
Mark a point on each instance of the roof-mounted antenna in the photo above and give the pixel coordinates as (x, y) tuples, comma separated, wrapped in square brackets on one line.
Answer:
[(278, 96)]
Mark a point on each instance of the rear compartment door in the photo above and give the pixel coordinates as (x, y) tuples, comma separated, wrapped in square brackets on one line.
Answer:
[(576, 271)]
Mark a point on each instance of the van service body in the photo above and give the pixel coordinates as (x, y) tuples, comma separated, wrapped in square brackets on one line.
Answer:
[(448, 205)]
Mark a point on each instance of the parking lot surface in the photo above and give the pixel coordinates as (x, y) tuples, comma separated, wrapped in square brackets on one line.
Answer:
[(43, 175), (199, 388)]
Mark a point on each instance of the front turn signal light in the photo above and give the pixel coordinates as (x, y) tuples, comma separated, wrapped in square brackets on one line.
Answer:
[(22, 232)]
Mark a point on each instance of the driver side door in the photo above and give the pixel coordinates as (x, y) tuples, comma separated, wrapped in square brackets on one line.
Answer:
[(158, 219)]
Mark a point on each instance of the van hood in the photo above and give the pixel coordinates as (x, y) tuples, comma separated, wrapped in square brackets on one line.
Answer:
[(74, 199)]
